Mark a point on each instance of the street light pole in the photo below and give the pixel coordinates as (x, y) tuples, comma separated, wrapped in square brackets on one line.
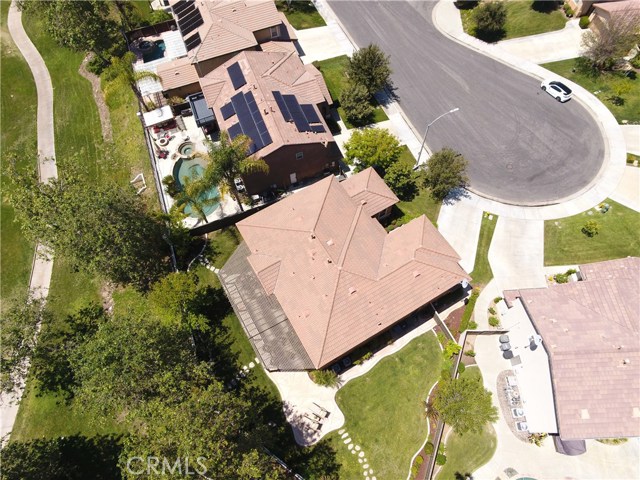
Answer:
[(424, 139)]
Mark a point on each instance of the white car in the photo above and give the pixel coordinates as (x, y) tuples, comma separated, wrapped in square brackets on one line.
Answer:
[(557, 90)]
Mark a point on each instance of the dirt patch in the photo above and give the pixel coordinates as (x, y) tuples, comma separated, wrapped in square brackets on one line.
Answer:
[(98, 96), (454, 320), (106, 295)]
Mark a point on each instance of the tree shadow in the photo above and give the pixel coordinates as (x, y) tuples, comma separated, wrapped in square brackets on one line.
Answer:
[(463, 476), (491, 36), (456, 195), (544, 6), (466, 4)]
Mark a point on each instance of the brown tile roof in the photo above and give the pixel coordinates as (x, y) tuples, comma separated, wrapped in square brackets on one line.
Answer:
[(266, 72), (617, 7), (177, 73), (278, 47), (590, 330), (341, 279), (370, 190)]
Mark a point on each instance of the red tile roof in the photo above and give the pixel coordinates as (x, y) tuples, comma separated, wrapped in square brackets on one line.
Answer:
[(341, 278), (370, 190)]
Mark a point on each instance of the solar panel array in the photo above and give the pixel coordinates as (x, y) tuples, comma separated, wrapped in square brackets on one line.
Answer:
[(250, 121), (303, 116), (193, 41), (189, 17), (236, 75)]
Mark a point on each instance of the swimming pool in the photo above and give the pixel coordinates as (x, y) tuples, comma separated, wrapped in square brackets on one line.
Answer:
[(156, 53), (191, 169)]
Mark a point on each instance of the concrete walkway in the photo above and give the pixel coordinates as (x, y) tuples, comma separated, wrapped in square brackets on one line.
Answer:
[(43, 261), (631, 135), (459, 222)]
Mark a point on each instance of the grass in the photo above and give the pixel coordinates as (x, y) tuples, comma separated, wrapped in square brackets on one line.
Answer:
[(301, 14), (333, 71), (465, 454), (384, 410), (565, 244), (522, 20), (482, 273), (603, 84), (18, 120)]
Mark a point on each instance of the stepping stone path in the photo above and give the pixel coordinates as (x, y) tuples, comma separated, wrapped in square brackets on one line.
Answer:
[(367, 470)]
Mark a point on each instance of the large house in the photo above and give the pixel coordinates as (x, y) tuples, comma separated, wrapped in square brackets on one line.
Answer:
[(318, 276), (590, 330)]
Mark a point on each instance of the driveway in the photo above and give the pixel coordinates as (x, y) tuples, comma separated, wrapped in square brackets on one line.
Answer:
[(523, 146)]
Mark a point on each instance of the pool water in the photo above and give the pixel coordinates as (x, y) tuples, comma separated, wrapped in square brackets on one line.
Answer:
[(186, 149), (193, 169), (155, 54)]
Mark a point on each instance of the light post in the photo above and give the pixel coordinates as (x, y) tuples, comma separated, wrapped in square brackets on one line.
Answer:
[(424, 139)]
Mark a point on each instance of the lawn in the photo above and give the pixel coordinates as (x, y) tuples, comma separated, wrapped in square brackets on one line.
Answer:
[(18, 120), (465, 454), (482, 273), (603, 84), (384, 410), (301, 14), (333, 71), (565, 244), (522, 19)]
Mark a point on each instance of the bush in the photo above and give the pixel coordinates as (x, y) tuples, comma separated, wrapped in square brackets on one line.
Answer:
[(159, 16), (171, 186), (472, 325), (492, 310), (568, 11), (451, 349), (468, 311), (494, 321), (446, 170), (584, 22), (355, 102), (591, 228), (612, 441), (497, 299), (401, 179), (441, 459), (415, 468), (369, 67), (470, 353), (325, 378), (461, 368), (490, 19), (561, 278), (96, 65), (372, 147), (429, 448), (635, 61)]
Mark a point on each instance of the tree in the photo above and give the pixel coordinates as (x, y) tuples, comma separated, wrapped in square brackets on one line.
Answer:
[(175, 299), (619, 88), (18, 329), (613, 40), (591, 228), (370, 68), (401, 178), (372, 147), (490, 19), (355, 102), (464, 404), (446, 170), (121, 70), (230, 159), (196, 193), (103, 229)]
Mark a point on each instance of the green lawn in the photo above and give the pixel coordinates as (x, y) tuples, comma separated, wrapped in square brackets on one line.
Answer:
[(384, 410), (522, 20), (301, 14), (333, 72), (18, 120), (629, 110), (565, 244), (465, 454), (482, 273)]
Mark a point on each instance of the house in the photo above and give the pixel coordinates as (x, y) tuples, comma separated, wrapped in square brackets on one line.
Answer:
[(584, 7), (604, 12), (590, 330), (280, 103), (317, 276)]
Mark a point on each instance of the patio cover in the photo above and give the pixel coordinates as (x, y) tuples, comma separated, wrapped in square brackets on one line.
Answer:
[(202, 113), (159, 115), (569, 447)]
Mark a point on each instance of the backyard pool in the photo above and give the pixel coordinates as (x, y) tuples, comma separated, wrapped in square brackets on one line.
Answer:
[(154, 53), (185, 169)]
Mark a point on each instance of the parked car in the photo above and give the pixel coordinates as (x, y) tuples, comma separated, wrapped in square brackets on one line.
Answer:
[(557, 90)]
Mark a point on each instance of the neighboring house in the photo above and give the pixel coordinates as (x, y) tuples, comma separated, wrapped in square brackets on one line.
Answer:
[(604, 12), (317, 276), (583, 7), (280, 104), (591, 333)]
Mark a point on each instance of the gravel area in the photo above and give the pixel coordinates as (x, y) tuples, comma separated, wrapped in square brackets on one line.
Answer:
[(506, 405)]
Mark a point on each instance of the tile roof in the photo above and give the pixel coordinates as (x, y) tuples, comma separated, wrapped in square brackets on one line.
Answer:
[(618, 6), (177, 73), (341, 279), (275, 46), (370, 190), (590, 330), (266, 72)]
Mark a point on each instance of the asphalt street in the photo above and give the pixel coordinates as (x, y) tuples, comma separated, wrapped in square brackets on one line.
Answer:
[(523, 146)]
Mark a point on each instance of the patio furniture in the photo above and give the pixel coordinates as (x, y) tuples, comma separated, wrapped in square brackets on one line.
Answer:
[(323, 411), (504, 339), (505, 346)]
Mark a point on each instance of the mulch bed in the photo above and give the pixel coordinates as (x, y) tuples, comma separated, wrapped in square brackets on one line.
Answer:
[(454, 320)]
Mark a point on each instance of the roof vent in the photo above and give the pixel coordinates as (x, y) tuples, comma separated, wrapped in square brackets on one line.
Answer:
[(584, 414), (626, 361), (330, 242), (363, 202), (313, 236), (352, 290), (416, 273), (329, 260), (636, 412)]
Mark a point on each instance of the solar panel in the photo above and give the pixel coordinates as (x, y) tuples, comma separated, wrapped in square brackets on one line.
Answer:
[(234, 130), (227, 111), (296, 113), (186, 11), (237, 78), (246, 119), (193, 41), (310, 113), (181, 5), (190, 22), (261, 127), (318, 128), (282, 106)]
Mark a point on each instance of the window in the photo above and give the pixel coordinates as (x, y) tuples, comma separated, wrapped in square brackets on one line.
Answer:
[(299, 156), (275, 32)]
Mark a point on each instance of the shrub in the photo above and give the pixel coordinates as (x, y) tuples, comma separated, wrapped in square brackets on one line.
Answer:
[(451, 349), (401, 178), (497, 299), (429, 448), (171, 186), (441, 459), (472, 325), (561, 278), (494, 321), (470, 353), (325, 378), (415, 468), (159, 16), (568, 11), (441, 338), (492, 310), (468, 311), (490, 19), (635, 61), (461, 368), (612, 441), (537, 438), (591, 228), (355, 102), (372, 147), (584, 22)]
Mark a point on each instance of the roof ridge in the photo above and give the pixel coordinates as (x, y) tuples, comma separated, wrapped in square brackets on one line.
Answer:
[(278, 64), (352, 230), (276, 228), (333, 303), (438, 267), (324, 200)]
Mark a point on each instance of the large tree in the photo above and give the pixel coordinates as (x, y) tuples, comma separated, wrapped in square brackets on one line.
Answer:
[(196, 193), (490, 19), (230, 159), (446, 170), (401, 178), (370, 68), (176, 298), (372, 147), (102, 228), (464, 404), (355, 101), (613, 39)]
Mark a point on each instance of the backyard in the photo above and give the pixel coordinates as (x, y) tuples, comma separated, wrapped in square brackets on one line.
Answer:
[(565, 244), (301, 14), (384, 410), (604, 86)]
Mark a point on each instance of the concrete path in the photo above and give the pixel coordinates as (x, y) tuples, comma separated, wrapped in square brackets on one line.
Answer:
[(320, 43), (547, 47), (459, 223), (43, 261), (628, 191), (631, 135)]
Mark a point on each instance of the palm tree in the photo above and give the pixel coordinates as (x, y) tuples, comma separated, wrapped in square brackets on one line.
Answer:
[(196, 192), (121, 69), (228, 160)]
